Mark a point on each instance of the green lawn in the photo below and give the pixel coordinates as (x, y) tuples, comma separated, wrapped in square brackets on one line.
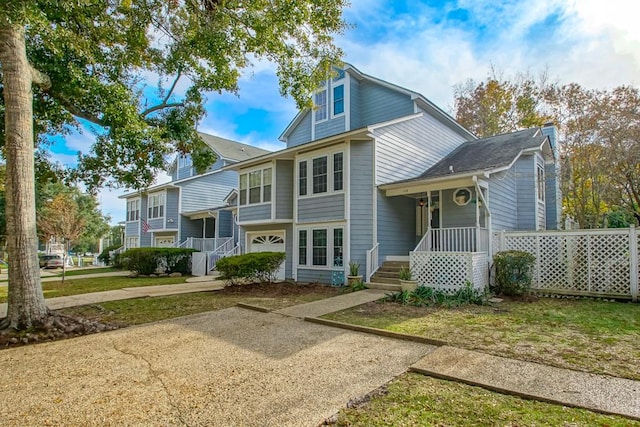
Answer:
[(590, 335), (82, 271), (144, 310), (416, 400), (96, 284)]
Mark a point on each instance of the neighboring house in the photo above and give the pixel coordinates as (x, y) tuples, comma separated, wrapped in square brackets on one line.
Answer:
[(376, 171), (191, 206)]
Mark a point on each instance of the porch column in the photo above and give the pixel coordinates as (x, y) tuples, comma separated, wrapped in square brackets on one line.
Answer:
[(204, 227)]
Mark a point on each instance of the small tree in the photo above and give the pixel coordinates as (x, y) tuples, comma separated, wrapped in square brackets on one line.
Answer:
[(61, 219)]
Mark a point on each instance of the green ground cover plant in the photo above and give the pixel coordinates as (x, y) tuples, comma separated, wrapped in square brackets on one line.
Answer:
[(417, 400), (589, 335)]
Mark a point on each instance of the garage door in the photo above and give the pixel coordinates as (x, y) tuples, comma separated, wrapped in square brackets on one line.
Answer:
[(272, 241)]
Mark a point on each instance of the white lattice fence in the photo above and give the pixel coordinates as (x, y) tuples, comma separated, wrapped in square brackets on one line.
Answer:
[(450, 271), (593, 262)]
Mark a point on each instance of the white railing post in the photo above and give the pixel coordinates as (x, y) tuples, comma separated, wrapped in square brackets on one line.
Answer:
[(633, 262)]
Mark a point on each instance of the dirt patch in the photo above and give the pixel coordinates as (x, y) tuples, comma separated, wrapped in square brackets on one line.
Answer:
[(58, 326), (280, 289)]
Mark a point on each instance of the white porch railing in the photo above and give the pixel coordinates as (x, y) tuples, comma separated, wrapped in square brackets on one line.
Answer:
[(224, 250), (372, 261), (458, 239)]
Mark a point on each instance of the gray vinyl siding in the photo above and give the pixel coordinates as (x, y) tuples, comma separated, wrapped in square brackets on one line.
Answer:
[(219, 163), (132, 228), (288, 241), (225, 224), (354, 99), (330, 127), (156, 223), (405, 150), (254, 213), (503, 201), (184, 172), (321, 208), (208, 191), (145, 238), (457, 216), (361, 194), (190, 228), (526, 193), (315, 276), (171, 208), (396, 225), (378, 104), (284, 189), (553, 199), (301, 133)]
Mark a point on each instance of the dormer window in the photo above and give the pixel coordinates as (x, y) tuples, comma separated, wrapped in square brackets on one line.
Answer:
[(321, 105), (338, 100)]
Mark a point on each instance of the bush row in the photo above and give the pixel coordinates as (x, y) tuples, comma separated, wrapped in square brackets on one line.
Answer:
[(262, 266), (147, 261)]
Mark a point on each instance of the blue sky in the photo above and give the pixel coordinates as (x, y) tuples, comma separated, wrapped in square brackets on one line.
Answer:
[(430, 46)]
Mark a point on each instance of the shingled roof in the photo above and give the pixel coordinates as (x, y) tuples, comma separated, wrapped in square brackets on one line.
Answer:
[(486, 154), (231, 150)]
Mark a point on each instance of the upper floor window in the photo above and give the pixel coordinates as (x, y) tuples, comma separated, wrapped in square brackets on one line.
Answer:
[(320, 175), (338, 100), (327, 173), (337, 171), (156, 206), (321, 105), (184, 160), (302, 178), (540, 182), (255, 186), (133, 210)]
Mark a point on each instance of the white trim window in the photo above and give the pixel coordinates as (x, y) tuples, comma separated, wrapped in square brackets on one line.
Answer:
[(540, 182), (326, 175), (321, 246), (131, 242), (256, 186), (133, 210), (320, 100), (338, 100), (155, 206), (184, 161)]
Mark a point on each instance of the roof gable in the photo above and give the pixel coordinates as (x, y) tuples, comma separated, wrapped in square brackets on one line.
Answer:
[(231, 150)]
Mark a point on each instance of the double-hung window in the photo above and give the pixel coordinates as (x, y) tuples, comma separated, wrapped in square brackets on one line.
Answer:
[(321, 105), (256, 186), (133, 210), (156, 206), (302, 178), (319, 256), (338, 167), (320, 175)]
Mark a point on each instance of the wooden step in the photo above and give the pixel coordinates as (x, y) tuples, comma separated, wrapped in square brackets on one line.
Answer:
[(384, 286), (389, 280)]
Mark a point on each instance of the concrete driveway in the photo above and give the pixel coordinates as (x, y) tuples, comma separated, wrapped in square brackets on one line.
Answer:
[(229, 367)]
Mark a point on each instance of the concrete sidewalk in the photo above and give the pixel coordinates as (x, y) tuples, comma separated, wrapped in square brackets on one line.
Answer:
[(333, 304), (128, 293), (599, 393)]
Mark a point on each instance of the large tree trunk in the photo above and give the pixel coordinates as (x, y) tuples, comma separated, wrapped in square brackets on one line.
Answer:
[(26, 305)]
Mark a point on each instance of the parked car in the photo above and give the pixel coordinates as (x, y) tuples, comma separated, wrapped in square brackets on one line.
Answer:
[(52, 261)]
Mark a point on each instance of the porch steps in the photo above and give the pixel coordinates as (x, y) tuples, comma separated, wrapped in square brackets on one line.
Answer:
[(388, 276)]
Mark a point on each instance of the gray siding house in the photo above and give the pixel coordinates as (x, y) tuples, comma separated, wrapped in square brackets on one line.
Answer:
[(191, 206), (377, 172)]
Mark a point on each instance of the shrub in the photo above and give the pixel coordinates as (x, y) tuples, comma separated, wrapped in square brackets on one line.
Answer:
[(147, 261), (262, 266), (105, 255), (514, 272)]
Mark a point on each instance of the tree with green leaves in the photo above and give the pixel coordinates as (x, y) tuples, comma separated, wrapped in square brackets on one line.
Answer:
[(64, 62)]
